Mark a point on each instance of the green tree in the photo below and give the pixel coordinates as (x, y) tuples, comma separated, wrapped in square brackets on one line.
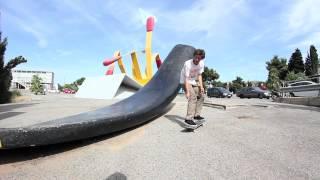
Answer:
[(237, 84), (314, 60), (5, 71), (238, 80), (71, 86), (36, 86), (60, 88), (209, 75), (75, 85), (225, 85), (80, 81), (308, 66), (273, 81), (296, 62), (295, 76), (280, 65), (218, 84)]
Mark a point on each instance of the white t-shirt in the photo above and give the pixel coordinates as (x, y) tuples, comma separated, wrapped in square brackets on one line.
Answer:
[(190, 72)]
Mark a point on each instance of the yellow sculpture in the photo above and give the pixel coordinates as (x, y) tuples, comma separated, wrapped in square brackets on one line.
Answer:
[(136, 73)]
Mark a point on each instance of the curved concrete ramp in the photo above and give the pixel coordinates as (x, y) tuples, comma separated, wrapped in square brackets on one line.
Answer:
[(146, 104)]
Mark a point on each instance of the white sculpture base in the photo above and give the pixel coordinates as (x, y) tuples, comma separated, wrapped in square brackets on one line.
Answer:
[(118, 86)]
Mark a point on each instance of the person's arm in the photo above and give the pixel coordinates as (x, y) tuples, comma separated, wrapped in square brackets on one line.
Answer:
[(186, 83), (201, 84), (200, 78), (187, 88)]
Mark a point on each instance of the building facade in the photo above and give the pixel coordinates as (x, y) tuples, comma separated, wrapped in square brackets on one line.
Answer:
[(21, 79)]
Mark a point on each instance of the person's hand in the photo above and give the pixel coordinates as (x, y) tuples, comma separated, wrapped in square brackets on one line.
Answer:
[(187, 94), (202, 90)]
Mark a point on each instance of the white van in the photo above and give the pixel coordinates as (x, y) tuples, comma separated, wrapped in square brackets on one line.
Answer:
[(304, 93)]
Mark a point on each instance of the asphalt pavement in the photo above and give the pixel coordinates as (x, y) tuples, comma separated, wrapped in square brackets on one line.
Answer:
[(251, 139)]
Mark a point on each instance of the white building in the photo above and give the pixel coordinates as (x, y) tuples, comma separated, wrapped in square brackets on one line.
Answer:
[(21, 79)]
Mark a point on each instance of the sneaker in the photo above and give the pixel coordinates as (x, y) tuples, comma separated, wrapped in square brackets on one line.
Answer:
[(190, 122), (198, 117), (200, 122)]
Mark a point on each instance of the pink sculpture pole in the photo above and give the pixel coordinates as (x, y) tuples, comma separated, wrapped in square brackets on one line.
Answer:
[(109, 61), (158, 61)]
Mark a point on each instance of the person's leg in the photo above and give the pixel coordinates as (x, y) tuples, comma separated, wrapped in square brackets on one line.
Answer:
[(199, 104), (192, 101), (183, 87)]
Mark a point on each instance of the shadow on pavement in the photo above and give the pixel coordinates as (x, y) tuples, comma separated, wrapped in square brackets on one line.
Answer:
[(29, 153), (180, 121), (10, 107), (117, 176), (9, 114), (176, 119)]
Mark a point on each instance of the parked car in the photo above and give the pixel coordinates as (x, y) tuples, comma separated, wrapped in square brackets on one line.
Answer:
[(303, 93), (218, 92), (69, 91), (253, 92)]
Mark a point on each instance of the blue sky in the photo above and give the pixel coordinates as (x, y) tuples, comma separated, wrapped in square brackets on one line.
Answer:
[(73, 37)]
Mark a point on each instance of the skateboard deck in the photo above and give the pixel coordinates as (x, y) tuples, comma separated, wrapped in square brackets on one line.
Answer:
[(191, 128)]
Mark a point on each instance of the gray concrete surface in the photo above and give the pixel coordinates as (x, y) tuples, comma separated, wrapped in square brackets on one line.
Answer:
[(308, 101), (251, 139), (45, 108)]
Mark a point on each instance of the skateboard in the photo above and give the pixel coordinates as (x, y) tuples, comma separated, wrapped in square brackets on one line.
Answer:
[(192, 128)]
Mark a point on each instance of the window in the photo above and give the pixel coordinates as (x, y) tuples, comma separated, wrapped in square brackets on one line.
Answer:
[(301, 84)]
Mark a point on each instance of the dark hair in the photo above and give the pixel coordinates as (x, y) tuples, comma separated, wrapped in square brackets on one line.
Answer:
[(200, 52)]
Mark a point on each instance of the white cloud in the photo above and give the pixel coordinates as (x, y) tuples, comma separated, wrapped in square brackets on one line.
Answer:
[(259, 36), (204, 15), (125, 13), (144, 15), (62, 52), (84, 12), (312, 39), (35, 30), (42, 25), (301, 19)]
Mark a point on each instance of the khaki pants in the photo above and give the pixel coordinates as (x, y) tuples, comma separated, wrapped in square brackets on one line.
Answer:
[(195, 102)]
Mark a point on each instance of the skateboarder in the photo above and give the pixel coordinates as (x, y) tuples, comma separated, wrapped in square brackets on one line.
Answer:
[(191, 80)]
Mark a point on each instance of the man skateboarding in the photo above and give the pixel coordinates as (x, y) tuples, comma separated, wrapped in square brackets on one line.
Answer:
[(191, 80)]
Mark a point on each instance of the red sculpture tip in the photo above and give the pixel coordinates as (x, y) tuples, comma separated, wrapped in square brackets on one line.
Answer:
[(150, 24)]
